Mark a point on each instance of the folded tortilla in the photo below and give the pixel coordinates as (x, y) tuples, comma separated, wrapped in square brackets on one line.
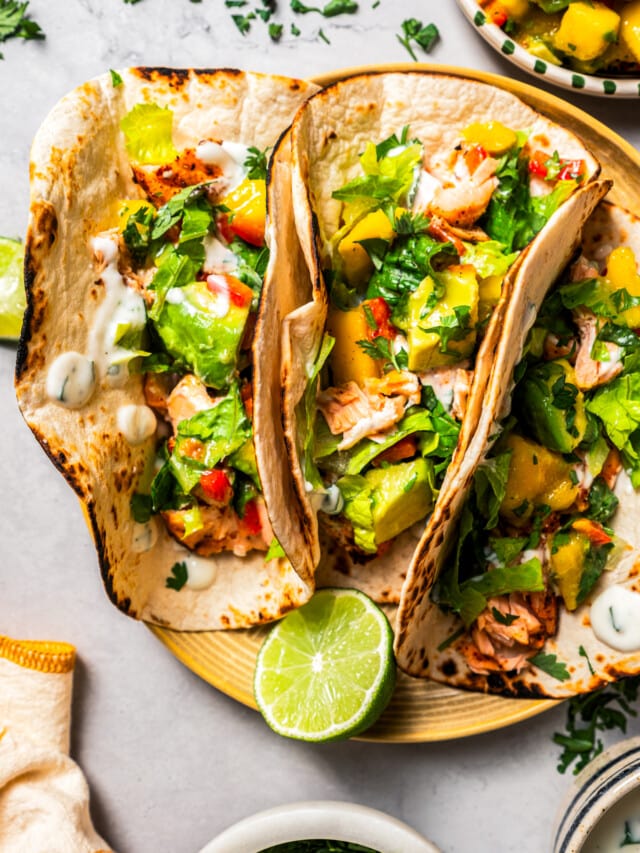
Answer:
[(328, 135), (79, 171), (430, 642)]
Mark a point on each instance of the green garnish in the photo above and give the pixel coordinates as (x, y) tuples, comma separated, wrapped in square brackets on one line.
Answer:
[(178, 577), (116, 79), (424, 35), (275, 550), (256, 160), (15, 24), (551, 665), (141, 507), (275, 31), (602, 710)]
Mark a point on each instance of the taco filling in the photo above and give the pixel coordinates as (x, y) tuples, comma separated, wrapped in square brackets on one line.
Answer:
[(537, 532), (190, 258), (417, 264)]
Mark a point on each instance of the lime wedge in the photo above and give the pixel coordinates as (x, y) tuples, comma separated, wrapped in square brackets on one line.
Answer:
[(12, 301), (326, 671)]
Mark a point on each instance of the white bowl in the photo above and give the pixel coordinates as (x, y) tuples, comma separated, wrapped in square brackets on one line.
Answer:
[(320, 820), (598, 791), (611, 87)]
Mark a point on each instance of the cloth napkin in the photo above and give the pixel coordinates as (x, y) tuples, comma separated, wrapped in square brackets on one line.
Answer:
[(44, 797)]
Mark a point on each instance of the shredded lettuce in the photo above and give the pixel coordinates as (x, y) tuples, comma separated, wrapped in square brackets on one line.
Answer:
[(147, 129), (490, 482), (618, 407), (488, 258)]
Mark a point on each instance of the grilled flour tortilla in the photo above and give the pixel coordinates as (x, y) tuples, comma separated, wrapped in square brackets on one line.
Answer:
[(141, 293), (537, 589), (413, 202)]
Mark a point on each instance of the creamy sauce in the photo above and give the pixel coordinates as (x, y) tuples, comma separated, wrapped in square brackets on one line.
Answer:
[(228, 156), (121, 308), (201, 572), (136, 423), (615, 618), (618, 829), (220, 287), (71, 380), (144, 537), (218, 258)]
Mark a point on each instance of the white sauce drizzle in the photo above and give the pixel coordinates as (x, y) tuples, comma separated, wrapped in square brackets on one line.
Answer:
[(228, 156), (218, 258), (609, 833), (220, 289), (201, 572), (136, 423), (120, 307), (71, 380), (615, 618), (144, 536)]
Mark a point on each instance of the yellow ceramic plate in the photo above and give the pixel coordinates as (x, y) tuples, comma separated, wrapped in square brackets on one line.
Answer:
[(419, 710)]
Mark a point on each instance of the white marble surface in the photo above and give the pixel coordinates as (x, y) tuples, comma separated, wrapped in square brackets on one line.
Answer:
[(171, 762)]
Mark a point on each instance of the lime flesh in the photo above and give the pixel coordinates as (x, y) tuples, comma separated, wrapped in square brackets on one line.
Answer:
[(12, 300), (326, 671)]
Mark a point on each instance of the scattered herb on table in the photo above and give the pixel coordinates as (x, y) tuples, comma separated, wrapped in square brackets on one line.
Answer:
[(603, 710), (424, 35), (14, 22)]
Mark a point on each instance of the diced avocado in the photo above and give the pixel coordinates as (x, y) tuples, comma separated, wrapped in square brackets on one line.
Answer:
[(568, 556), (203, 329), (587, 29), (356, 264), (453, 316), (402, 494), (537, 476), (348, 361), (550, 405)]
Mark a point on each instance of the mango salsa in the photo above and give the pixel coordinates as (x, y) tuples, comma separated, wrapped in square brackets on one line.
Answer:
[(357, 265), (587, 29), (348, 361), (493, 136), (630, 28), (537, 476), (622, 273), (567, 566)]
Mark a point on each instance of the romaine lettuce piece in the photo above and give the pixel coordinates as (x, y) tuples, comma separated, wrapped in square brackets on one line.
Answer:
[(147, 129)]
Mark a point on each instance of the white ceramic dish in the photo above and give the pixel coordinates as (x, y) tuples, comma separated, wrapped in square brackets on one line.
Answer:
[(320, 820), (611, 87), (597, 790)]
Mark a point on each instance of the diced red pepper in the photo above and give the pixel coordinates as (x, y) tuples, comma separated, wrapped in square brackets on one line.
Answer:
[(250, 521), (404, 449), (538, 164), (594, 531), (381, 314), (216, 485), (239, 294), (571, 170)]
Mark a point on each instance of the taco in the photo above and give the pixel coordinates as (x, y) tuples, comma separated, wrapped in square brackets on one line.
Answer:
[(144, 262), (416, 199), (537, 588)]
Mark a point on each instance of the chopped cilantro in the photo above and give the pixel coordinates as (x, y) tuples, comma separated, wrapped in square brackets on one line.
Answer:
[(243, 22), (275, 31), (178, 577), (141, 507), (256, 160), (592, 713), (551, 665), (322, 36), (424, 35), (275, 550), (15, 24), (116, 79)]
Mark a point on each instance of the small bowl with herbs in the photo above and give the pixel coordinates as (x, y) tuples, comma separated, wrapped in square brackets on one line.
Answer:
[(320, 827), (601, 810), (589, 46)]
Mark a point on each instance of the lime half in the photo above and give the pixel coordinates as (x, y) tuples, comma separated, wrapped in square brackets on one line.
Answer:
[(12, 301), (326, 671)]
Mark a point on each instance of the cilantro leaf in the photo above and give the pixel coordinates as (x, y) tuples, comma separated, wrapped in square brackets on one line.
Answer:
[(15, 24), (424, 35), (592, 713), (116, 79), (275, 551), (551, 665), (256, 160), (179, 576)]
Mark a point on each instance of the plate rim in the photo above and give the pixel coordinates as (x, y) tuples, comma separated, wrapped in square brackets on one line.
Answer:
[(523, 709)]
